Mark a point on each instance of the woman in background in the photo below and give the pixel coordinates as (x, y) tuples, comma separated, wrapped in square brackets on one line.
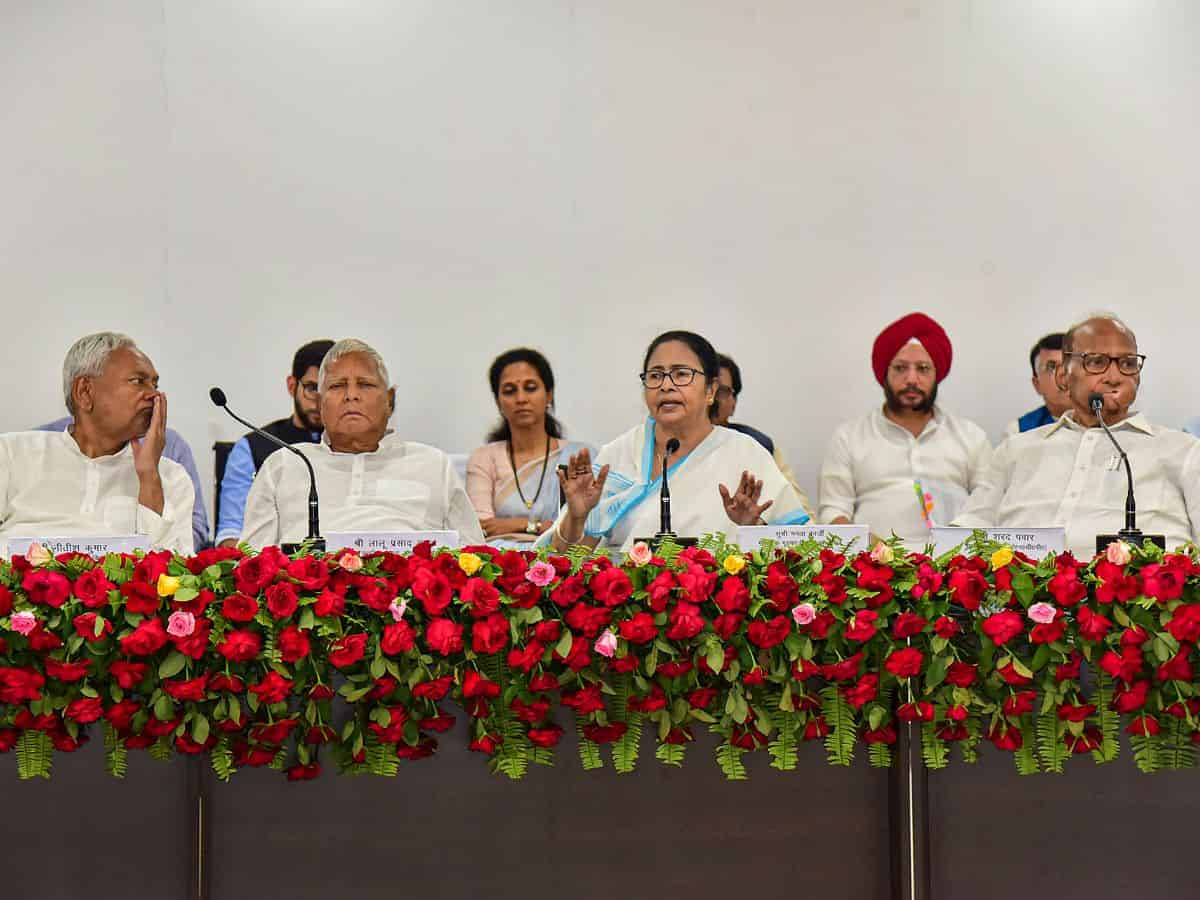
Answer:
[(512, 479)]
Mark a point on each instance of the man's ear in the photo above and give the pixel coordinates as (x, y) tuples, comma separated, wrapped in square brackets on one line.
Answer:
[(291, 384), (391, 400), (1060, 377), (83, 394)]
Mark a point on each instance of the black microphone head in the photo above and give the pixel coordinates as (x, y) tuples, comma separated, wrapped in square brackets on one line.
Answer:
[(1096, 401), (217, 396), (672, 446)]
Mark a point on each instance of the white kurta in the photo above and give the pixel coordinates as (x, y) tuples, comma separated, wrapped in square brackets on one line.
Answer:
[(48, 488), (402, 486), (1068, 475), (872, 465), (696, 505)]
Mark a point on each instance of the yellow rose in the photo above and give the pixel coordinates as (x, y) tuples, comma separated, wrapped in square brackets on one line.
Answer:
[(167, 585), (469, 563), (734, 563), (1002, 558)]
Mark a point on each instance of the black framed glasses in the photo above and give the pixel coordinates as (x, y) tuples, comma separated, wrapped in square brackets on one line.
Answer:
[(680, 376), (1098, 363)]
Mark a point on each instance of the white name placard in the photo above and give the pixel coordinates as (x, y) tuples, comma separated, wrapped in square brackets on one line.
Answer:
[(391, 541), (1033, 542), (854, 536), (89, 544)]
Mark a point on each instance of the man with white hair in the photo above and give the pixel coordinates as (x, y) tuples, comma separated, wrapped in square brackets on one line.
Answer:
[(1069, 473), (368, 478), (106, 474)]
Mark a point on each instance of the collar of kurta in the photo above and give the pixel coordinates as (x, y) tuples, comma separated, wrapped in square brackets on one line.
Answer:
[(1136, 421), (937, 420), (389, 441), (73, 446)]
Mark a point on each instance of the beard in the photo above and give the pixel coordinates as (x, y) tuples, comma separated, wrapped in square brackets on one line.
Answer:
[(311, 418), (895, 404)]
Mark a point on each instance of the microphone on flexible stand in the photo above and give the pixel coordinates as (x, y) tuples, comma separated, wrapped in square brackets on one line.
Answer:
[(664, 503), (1130, 534), (314, 541)]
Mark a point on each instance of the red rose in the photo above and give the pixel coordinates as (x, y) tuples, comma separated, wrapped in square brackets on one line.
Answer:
[(863, 692), (434, 689), (523, 659), (240, 645), (1092, 625), (701, 698), (1048, 633), (273, 688), (309, 572), (730, 656), (651, 702), (604, 734), (487, 743), (818, 628), (640, 629), (476, 685), (544, 682), (915, 712), (480, 597), (192, 689), (151, 566), (1134, 636), (85, 709), (1069, 670), (303, 771), (685, 622), (733, 596), (1184, 624), (320, 734), (85, 626), (727, 625), (547, 632), (945, 627), (128, 675), (844, 670), (905, 663), (293, 643), (1066, 587), (149, 637), (329, 603), (1009, 675), (376, 594), (239, 608), (834, 587), (960, 674), (432, 589), (815, 728), (6, 600), (967, 588), (274, 733), (929, 581), (1123, 666), (234, 685), (1020, 703), (399, 637), (611, 587), (769, 634), (1073, 712), (585, 700), (196, 643), (1126, 699), (120, 715), (347, 650), (254, 573), (588, 620), (908, 624), (885, 734), (439, 723), (1163, 583), (862, 626), (804, 669), (1115, 585), (1005, 737), (675, 668), (1145, 726), (696, 584), (490, 635), (1002, 627), (568, 592), (547, 736), (781, 586), (659, 591), (66, 671), (1177, 668), (282, 599), (443, 636), (46, 588), (92, 588)]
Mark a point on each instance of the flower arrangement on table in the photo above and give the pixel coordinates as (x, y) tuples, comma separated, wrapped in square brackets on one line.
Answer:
[(269, 660)]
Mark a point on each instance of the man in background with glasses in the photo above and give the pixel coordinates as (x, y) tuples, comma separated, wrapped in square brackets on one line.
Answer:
[(1044, 359), (907, 465), (303, 426), (1070, 474)]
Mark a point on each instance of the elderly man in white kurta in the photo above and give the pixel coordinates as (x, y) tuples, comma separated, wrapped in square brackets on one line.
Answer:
[(367, 478), (1069, 474), (908, 465), (105, 476)]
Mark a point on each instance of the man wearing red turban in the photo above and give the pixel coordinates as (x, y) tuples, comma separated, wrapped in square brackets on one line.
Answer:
[(908, 465)]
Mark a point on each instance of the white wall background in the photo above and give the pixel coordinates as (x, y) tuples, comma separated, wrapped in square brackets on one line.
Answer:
[(225, 180)]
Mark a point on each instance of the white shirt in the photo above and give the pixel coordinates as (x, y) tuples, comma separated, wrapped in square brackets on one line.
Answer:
[(1068, 475), (873, 464), (402, 486), (49, 488)]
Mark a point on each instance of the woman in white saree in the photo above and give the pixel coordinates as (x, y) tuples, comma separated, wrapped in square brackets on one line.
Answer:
[(615, 500)]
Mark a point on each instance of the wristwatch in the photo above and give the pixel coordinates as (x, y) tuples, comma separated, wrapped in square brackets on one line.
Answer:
[(531, 527)]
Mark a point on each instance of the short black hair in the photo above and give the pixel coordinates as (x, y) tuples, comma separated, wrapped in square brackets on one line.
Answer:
[(709, 362), (503, 432), (1052, 341), (735, 374), (309, 356)]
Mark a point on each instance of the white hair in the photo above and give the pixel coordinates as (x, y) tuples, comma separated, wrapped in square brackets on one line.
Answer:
[(345, 347), (1100, 316), (88, 356)]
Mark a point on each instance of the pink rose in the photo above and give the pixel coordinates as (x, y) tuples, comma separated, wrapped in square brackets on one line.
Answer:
[(37, 555), (23, 622), (803, 613), (181, 624), (397, 609), (1043, 613), (1118, 553), (606, 644), (350, 561), (641, 554), (540, 573)]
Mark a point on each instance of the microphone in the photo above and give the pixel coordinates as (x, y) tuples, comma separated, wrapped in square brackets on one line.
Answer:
[(1130, 533), (664, 497), (314, 540)]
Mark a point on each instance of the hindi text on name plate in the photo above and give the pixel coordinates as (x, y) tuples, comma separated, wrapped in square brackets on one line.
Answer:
[(391, 541), (749, 537)]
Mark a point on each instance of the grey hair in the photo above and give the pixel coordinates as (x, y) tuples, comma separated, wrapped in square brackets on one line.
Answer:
[(345, 347), (87, 358), (1069, 337)]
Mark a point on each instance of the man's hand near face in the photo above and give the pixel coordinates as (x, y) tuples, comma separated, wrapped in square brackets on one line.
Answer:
[(147, 451)]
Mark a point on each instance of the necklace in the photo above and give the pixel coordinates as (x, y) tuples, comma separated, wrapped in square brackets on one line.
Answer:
[(531, 527)]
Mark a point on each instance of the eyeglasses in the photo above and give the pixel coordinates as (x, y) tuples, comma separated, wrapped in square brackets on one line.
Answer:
[(923, 369), (1098, 363), (310, 389), (680, 376)]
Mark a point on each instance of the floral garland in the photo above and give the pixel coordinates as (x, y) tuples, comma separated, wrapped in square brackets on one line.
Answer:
[(269, 660)]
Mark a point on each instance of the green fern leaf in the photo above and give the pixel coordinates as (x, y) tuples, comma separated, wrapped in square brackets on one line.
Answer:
[(1110, 721), (729, 758), (843, 730), (1145, 754), (1051, 749), (670, 754), (880, 756), (115, 753), (589, 753), (934, 751)]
